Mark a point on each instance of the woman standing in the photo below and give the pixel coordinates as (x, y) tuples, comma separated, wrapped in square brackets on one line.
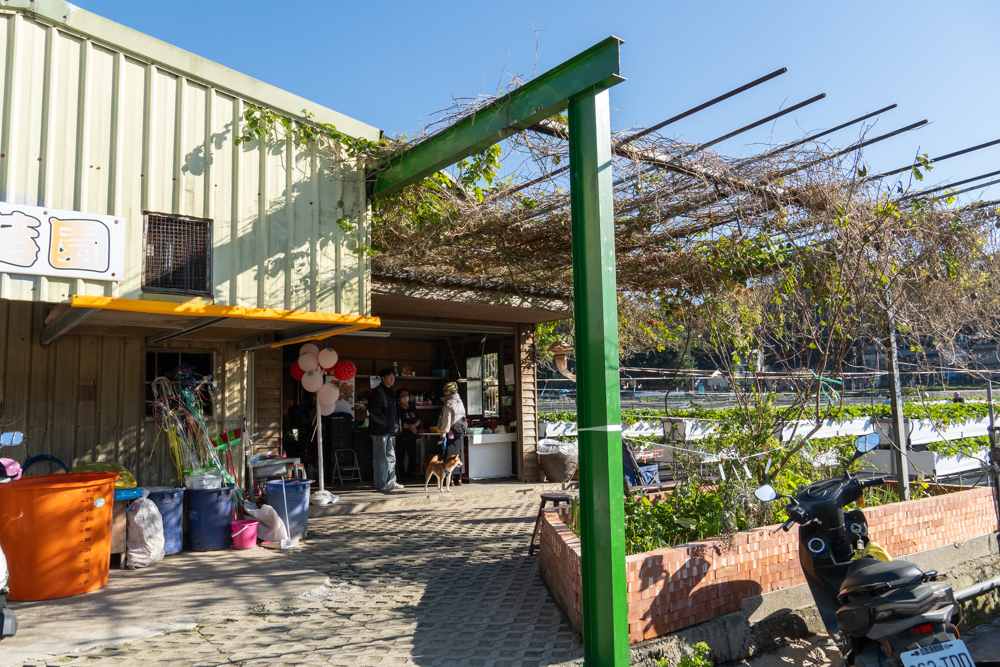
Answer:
[(453, 426)]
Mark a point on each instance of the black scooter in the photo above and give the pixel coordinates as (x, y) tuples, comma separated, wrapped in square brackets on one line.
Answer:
[(8, 622), (880, 613)]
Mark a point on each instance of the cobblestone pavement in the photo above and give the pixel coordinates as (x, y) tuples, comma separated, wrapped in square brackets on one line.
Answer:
[(447, 585)]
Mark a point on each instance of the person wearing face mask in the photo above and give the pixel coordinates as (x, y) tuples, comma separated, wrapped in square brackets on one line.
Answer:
[(406, 441)]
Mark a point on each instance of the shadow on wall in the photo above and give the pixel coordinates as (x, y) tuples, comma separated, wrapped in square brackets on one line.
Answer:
[(291, 253), (682, 602)]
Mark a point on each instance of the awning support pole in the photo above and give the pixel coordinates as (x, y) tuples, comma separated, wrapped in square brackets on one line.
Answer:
[(900, 439), (319, 443), (602, 502), (64, 324)]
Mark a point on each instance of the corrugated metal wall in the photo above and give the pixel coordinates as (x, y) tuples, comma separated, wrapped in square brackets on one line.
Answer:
[(82, 399), (90, 128)]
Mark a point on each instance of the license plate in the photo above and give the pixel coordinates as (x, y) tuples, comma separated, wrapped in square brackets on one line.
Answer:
[(948, 654)]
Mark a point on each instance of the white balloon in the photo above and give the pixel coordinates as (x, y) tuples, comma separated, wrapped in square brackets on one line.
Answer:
[(326, 410), (308, 362), (328, 358), (328, 394), (312, 381), (309, 348)]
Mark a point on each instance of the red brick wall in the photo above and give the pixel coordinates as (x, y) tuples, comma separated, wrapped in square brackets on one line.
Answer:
[(670, 589), (559, 565)]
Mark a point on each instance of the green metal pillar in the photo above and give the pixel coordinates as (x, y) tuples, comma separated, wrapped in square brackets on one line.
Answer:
[(602, 513)]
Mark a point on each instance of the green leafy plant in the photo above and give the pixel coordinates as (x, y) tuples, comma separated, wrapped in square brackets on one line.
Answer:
[(698, 658)]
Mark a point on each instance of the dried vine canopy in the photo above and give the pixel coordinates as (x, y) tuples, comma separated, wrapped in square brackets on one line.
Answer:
[(793, 248)]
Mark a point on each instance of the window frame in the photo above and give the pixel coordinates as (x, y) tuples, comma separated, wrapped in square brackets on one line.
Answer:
[(210, 249), (210, 409)]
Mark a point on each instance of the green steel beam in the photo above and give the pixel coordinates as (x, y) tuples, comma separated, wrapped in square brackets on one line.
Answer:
[(602, 502), (540, 98), (581, 84)]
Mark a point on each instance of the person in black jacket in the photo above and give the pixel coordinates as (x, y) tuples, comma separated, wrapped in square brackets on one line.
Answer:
[(383, 426), (406, 441)]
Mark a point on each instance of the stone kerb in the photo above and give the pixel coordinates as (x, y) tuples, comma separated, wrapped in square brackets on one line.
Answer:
[(674, 588)]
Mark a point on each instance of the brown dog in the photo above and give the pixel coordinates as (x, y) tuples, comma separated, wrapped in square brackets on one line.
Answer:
[(442, 471)]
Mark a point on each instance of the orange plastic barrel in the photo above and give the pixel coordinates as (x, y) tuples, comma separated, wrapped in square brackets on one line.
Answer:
[(56, 533)]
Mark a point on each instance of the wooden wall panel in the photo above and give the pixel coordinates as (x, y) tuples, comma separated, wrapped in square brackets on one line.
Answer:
[(527, 400), (82, 399), (268, 372)]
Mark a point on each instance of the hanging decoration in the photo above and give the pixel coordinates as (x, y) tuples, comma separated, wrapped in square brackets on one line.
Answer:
[(312, 381), (328, 394), (328, 358), (308, 362), (344, 371)]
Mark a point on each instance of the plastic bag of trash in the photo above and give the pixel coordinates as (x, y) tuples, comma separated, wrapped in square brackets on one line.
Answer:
[(270, 527), (143, 533), (198, 480), (549, 446), (125, 479)]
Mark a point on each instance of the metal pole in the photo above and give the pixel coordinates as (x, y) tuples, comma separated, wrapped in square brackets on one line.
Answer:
[(319, 442), (899, 439), (994, 457), (602, 515)]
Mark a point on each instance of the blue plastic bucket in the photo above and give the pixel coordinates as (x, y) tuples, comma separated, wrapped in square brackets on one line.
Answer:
[(209, 514), (297, 496), (170, 502)]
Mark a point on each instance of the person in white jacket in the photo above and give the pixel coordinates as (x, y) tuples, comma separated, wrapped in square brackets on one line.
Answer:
[(453, 426)]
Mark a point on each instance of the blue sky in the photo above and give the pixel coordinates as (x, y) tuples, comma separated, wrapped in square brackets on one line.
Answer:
[(392, 64)]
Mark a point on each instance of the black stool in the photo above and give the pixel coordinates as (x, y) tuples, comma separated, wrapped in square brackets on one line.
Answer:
[(556, 499)]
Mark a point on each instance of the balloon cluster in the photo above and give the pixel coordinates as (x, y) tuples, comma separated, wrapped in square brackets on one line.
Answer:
[(311, 369)]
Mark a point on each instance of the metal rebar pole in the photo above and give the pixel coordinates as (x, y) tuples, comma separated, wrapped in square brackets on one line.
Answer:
[(756, 123), (602, 501), (936, 159), (948, 186), (899, 436), (705, 105), (994, 457)]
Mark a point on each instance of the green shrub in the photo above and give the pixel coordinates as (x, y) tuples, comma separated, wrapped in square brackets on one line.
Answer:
[(700, 658)]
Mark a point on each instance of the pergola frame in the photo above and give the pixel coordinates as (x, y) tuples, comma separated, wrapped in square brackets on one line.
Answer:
[(580, 86)]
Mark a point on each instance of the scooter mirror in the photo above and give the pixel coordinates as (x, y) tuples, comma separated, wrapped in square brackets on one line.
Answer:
[(11, 439), (866, 443), (766, 493)]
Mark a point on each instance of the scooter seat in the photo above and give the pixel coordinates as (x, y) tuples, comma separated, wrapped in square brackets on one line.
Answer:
[(871, 576)]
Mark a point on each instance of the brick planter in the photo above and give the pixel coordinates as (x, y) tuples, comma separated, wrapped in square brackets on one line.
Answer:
[(673, 588)]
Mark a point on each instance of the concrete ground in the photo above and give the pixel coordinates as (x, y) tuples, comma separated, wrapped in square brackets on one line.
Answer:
[(437, 584), (443, 584), (355, 498), (983, 643)]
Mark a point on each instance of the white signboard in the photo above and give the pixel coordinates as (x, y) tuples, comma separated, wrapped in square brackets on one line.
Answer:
[(39, 241)]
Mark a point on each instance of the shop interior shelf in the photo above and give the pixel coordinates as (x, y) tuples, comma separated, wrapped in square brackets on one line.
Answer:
[(403, 378)]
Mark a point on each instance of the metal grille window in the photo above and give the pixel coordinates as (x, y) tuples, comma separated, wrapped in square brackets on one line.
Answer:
[(178, 254), (165, 363)]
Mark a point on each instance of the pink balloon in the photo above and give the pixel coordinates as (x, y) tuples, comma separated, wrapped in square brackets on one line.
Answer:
[(328, 358), (308, 362), (312, 381), (326, 410), (328, 394), (309, 348)]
